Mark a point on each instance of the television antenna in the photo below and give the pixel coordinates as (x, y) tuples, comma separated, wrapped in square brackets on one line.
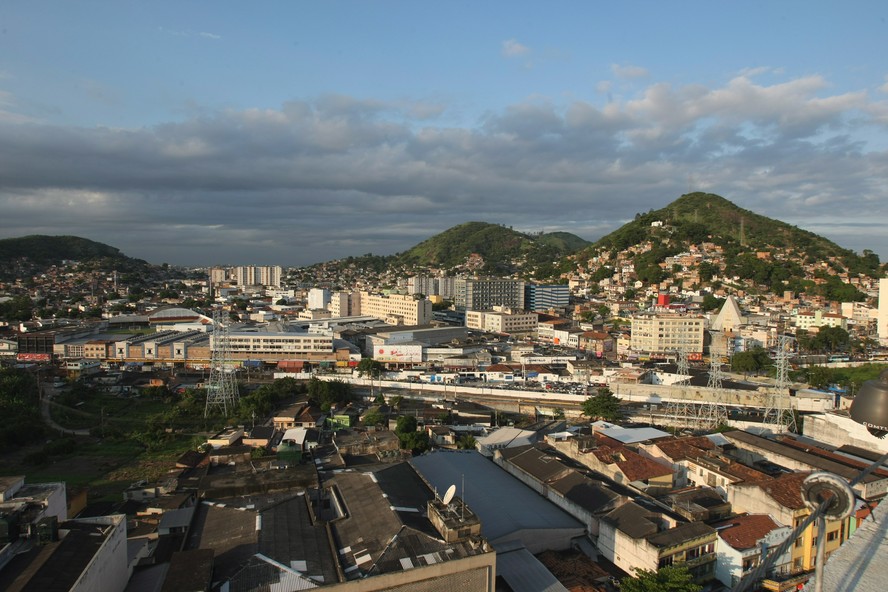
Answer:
[(448, 496)]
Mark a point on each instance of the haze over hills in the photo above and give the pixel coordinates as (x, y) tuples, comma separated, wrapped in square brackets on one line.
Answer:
[(767, 251)]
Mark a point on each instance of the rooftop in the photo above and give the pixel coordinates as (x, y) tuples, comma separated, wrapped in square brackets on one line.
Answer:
[(745, 531), (502, 502)]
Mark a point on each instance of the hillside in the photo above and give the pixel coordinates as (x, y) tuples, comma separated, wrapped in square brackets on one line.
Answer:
[(766, 252), (37, 252), (501, 249)]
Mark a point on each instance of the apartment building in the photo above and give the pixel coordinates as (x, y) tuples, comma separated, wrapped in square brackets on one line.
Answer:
[(546, 296), (658, 334), (345, 304), (805, 321), (397, 309), (444, 286), (636, 537), (318, 298), (258, 275), (504, 320), (486, 293)]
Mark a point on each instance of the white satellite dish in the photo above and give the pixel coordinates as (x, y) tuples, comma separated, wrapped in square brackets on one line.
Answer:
[(448, 497)]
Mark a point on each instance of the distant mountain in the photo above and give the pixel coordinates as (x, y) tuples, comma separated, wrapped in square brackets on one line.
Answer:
[(502, 249), (35, 252)]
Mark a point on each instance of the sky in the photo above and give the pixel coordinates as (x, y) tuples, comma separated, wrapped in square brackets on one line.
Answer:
[(234, 133)]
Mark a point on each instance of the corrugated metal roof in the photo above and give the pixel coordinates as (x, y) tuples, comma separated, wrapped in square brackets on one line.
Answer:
[(524, 572)]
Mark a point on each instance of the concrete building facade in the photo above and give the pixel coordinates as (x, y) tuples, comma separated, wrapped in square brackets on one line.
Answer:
[(660, 334)]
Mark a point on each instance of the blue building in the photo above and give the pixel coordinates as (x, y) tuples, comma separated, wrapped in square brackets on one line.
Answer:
[(545, 297)]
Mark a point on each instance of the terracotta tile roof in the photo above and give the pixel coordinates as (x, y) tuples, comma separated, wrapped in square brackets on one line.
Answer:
[(787, 489), (680, 448), (631, 464), (744, 532), (823, 453)]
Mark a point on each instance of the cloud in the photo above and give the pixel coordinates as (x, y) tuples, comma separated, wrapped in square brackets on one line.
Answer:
[(338, 175), (629, 72), (190, 33), (512, 49)]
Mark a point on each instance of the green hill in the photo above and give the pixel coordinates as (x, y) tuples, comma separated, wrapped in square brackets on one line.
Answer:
[(698, 218), (503, 249), (35, 252)]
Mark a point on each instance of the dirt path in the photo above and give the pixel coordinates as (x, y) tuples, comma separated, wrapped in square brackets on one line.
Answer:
[(46, 395)]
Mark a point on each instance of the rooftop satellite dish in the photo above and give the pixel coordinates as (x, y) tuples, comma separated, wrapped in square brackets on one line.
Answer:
[(448, 497)]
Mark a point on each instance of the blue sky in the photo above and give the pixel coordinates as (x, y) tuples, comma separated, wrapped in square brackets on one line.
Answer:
[(296, 132)]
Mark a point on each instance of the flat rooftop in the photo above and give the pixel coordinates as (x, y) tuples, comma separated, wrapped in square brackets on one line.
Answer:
[(503, 503)]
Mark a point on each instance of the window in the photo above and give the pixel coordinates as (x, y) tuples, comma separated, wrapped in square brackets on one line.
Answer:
[(831, 536)]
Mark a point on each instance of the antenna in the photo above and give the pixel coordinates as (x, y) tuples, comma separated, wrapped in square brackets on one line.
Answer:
[(448, 496), (463, 516)]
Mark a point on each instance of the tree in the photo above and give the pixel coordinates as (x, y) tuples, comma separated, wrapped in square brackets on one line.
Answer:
[(369, 367), (753, 360), (373, 418), (466, 442), (416, 442), (673, 578), (604, 406), (711, 302), (406, 424)]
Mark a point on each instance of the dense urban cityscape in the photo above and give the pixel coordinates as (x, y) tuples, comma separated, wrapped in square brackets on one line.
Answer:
[(364, 424)]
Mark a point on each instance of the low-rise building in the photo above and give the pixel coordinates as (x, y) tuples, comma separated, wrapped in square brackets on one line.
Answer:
[(635, 537), (742, 541)]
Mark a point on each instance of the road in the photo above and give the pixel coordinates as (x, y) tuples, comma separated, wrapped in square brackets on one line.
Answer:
[(46, 394)]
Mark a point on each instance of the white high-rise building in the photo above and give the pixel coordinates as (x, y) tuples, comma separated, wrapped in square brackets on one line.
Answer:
[(883, 311), (318, 298), (259, 275)]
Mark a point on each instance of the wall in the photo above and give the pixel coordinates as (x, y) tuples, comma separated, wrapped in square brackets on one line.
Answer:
[(109, 569)]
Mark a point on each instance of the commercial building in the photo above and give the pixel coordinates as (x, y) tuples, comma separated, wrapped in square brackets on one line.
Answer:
[(486, 293)]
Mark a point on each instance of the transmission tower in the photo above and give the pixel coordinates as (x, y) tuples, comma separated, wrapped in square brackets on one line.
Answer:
[(682, 412), (778, 412), (714, 412), (682, 367), (221, 387), (784, 346)]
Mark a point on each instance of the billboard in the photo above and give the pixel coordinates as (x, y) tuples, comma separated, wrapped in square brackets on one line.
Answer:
[(398, 354), (34, 357)]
